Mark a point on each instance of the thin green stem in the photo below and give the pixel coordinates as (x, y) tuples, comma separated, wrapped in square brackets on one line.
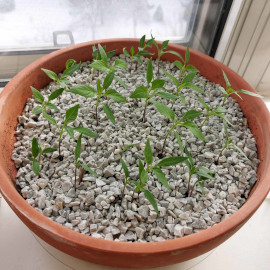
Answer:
[(208, 115), (225, 146), (75, 175), (168, 133), (189, 179), (144, 112)]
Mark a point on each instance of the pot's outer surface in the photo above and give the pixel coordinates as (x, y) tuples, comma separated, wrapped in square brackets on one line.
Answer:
[(123, 254)]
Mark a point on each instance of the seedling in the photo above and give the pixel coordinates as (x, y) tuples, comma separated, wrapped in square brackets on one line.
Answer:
[(202, 172), (160, 50), (37, 152), (101, 91), (78, 163), (229, 143), (185, 66), (71, 66), (185, 121), (145, 172), (218, 111), (229, 91), (135, 57), (185, 83), (149, 91), (104, 66), (96, 54), (45, 104)]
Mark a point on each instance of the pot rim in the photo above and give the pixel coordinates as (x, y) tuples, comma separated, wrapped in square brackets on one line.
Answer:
[(70, 237)]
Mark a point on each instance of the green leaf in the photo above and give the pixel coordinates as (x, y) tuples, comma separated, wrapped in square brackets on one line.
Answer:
[(55, 94), (171, 77), (164, 110), (141, 168), (109, 113), (71, 69), (220, 109), (69, 63), (100, 65), (52, 106), (151, 199), (149, 43), (49, 118), (71, 114), (99, 88), (203, 103), (164, 45), (103, 54), (36, 168), (170, 161), (228, 84), (194, 129), (189, 156), (191, 115), (179, 142), (113, 94), (86, 131), (239, 150), (132, 51), (194, 87), (178, 64), (144, 176), (125, 168), (157, 84), (121, 82), (142, 40), (186, 56), (182, 98), (161, 178), (108, 80), (110, 54), (120, 64), (175, 53), (222, 90), (189, 77), (89, 170), (70, 131), (95, 52), (149, 71), (201, 186), (35, 147), (127, 147), (37, 110), (192, 68), (37, 95), (50, 74), (249, 93), (167, 95), (140, 92), (49, 150), (125, 52), (138, 59), (222, 116), (83, 90), (143, 53), (148, 153), (78, 148), (204, 174)]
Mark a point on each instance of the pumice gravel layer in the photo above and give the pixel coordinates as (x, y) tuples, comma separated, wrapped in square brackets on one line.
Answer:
[(95, 207)]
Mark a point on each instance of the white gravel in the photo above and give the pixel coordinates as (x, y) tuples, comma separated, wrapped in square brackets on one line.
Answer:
[(95, 208)]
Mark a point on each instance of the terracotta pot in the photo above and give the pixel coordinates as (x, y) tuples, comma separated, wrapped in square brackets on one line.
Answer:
[(121, 254)]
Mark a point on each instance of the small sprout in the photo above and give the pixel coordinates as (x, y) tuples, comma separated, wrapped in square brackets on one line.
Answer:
[(202, 172), (185, 121), (71, 66), (185, 66), (185, 83), (37, 152), (152, 88), (141, 51), (160, 50), (144, 173), (78, 163), (100, 92), (229, 143), (44, 105), (229, 91), (218, 111), (104, 66)]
